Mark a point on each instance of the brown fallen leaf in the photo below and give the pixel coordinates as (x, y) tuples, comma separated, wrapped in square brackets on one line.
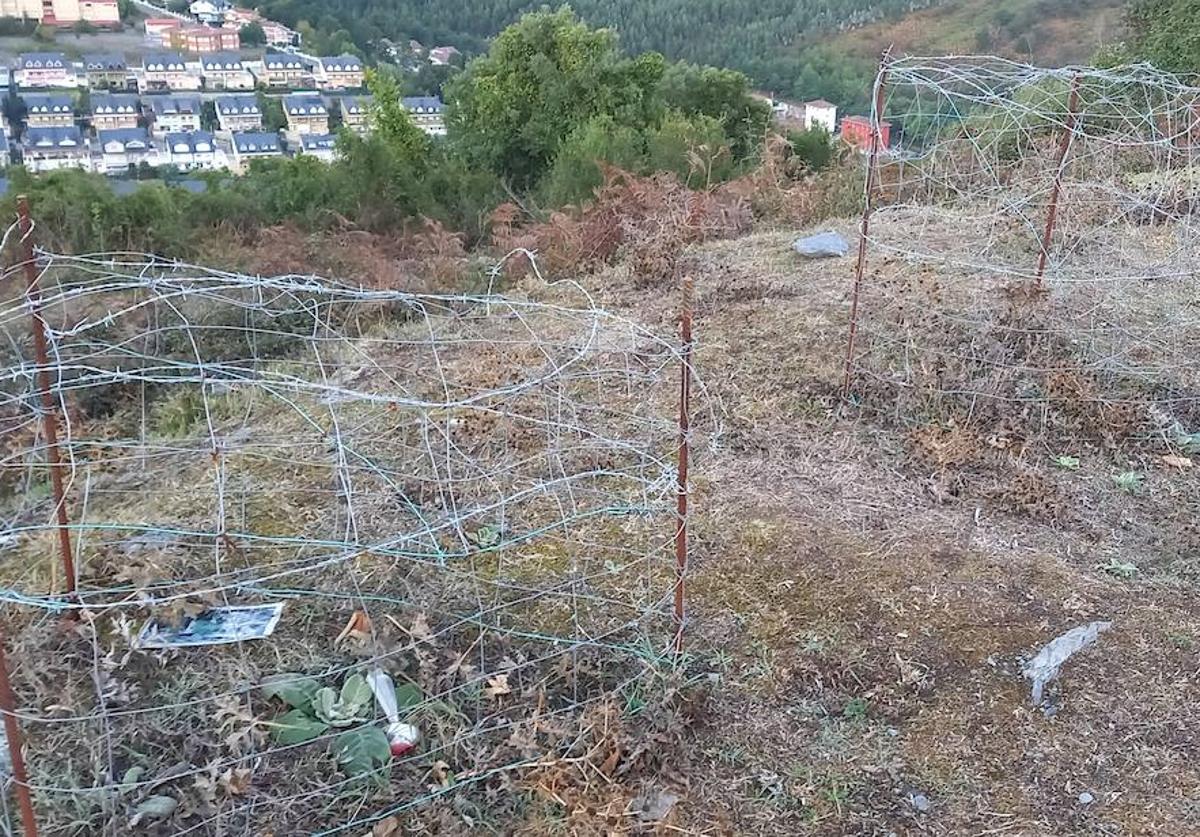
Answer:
[(440, 773), (357, 628), (1180, 462), (497, 686), (389, 827), (235, 781)]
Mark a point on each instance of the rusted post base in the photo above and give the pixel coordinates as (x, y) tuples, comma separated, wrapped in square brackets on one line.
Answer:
[(12, 732)]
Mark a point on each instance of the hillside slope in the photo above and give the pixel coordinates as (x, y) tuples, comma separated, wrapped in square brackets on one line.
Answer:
[(795, 48), (1047, 32)]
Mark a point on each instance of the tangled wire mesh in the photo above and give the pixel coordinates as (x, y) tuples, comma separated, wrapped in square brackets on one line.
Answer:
[(479, 488), (1032, 253)]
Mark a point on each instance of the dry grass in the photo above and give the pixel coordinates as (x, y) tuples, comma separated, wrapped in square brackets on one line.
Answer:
[(873, 579), (865, 583)]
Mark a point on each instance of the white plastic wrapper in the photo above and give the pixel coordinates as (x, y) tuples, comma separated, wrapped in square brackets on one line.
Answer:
[(401, 736)]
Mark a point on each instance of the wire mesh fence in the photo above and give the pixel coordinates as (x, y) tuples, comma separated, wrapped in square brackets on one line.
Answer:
[(472, 494), (1031, 253)]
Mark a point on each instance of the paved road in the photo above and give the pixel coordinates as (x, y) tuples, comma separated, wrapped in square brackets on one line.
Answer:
[(160, 11)]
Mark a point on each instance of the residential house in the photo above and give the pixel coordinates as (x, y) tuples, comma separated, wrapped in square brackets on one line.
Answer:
[(443, 55), (159, 29), (5, 151), (45, 69), (279, 35), (428, 112), (121, 148), (356, 113), (168, 71), (306, 114), (820, 114), (342, 72), (102, 14), (238, 113), (49, 110), (105, 70), (235, 18), (281, 69), (114, 110), (205, 39), (210, 12), (174, 114), (225, 71), (321, 146), (47, 149), (192, 150), (248, 146), (857, 131), (27, 9)]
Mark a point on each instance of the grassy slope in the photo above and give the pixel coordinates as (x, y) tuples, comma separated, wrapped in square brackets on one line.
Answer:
[(1063, 36)]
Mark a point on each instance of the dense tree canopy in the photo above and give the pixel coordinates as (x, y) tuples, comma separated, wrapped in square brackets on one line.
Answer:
[(552, 96), (543, 78), (1166, 33)]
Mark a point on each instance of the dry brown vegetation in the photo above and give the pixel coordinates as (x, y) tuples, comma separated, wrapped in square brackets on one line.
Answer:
[(865, 582)]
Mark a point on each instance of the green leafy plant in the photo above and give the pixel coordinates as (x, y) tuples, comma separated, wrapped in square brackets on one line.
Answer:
[(363, 752), (1121, 569), (346, 708), (856, 709), (297, 726), (292, 689), (362, 749), (1069, 463), (485, 537), (1129, 481), (1188, 442)]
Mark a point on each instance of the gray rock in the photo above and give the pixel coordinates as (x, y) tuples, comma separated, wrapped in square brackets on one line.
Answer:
[(1086, 798), (149, 541), (920, 802)]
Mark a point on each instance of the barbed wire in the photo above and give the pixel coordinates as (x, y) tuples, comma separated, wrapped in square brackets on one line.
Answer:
[(1032, 246), (496, 470)]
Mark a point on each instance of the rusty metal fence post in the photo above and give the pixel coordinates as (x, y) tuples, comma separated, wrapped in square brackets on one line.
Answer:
[(12, 733), (1064, 148), (681, 488), (49, 408), (868, 207)]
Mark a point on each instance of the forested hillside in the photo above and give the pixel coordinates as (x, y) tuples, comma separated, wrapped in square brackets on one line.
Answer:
[(738, 34), (793, 48)]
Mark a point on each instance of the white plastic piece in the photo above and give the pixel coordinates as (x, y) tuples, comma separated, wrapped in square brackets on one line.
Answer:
[(1044, 667), (402, 737), (823, 245)]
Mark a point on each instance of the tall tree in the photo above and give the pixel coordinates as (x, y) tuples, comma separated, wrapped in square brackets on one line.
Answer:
[(543, 78)]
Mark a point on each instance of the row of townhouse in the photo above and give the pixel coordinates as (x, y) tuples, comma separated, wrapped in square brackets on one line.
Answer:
[(427, 112), (114, 151), (98, 13), (170, 70), (337, 72), (304, 113)]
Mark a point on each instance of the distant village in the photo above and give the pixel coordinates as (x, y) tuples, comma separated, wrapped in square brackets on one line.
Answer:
[(192, 100), (853, 130)]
